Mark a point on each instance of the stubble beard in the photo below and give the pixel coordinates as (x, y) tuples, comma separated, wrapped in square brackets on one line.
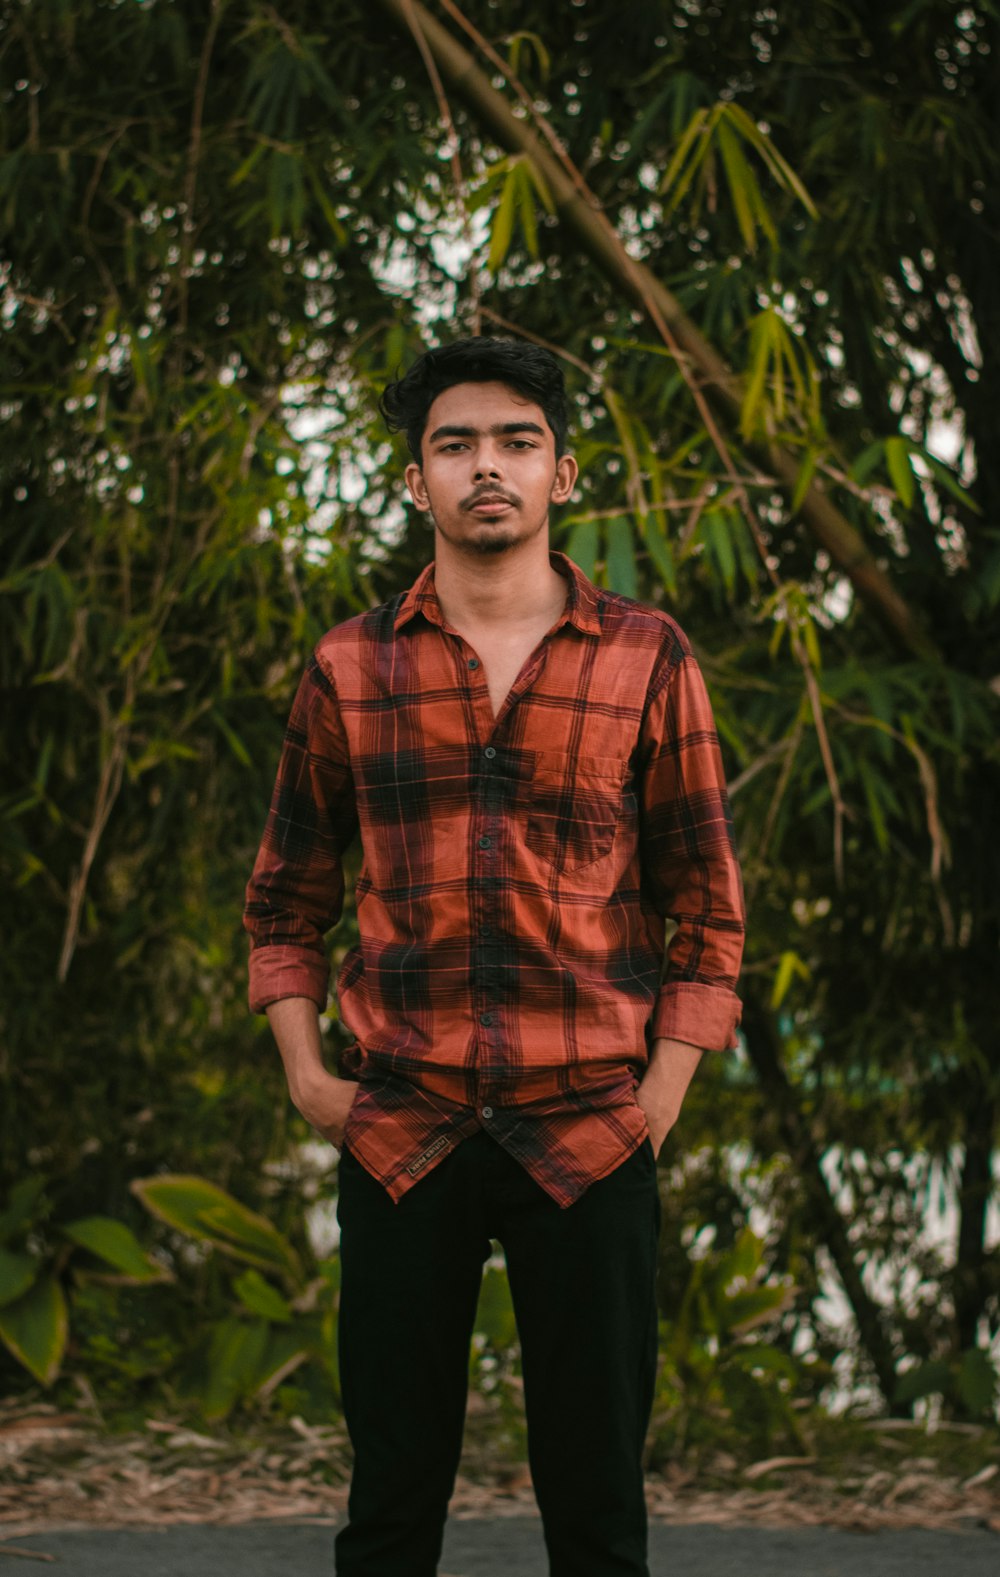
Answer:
[(491, 542)]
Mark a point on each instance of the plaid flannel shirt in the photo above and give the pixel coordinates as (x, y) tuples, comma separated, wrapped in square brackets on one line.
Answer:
[(517, 873)]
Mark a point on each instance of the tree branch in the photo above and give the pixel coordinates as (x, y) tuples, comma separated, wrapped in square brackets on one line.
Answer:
[(707, 370)]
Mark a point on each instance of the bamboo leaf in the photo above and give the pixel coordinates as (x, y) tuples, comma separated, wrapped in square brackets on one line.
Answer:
[(526, 209), (743, 189), (715, 534), (621, 566), (761, 351), (897, 459), (661, 553), (697, 127), (503, 222), (540, 52), (790, 968), (582, 546)]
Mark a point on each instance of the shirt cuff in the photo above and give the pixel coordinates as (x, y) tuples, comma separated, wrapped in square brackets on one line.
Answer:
[(700, 1015), (280, 971)]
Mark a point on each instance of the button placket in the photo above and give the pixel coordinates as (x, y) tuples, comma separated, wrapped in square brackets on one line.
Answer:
[(487, 948)]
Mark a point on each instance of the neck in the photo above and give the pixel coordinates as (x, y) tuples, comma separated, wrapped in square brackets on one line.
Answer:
[(515, 587)]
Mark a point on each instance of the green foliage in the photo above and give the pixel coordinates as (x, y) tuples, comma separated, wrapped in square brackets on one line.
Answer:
[(718, 1376), (968, 1382), (221, 231), (34, 1274), (199, 1208)]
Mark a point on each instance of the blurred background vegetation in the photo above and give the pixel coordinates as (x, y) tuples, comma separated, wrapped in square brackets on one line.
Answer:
[(763, 239)]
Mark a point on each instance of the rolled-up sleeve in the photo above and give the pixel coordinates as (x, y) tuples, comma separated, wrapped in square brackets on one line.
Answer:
[(689, 863), (296, 891)]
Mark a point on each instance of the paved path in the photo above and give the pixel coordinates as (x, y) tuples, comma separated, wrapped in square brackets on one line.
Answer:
[(512, 1547)]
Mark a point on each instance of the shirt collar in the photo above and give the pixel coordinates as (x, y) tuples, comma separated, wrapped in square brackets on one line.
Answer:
[(581, 601)]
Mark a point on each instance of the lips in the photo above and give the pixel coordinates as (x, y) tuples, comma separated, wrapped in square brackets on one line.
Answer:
[(490, 504)]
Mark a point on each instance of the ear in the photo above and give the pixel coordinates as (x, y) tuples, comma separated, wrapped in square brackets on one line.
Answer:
[(567, 472), (418, 489)]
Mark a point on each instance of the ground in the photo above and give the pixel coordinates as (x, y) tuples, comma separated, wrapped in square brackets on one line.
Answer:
[(61, 1470)]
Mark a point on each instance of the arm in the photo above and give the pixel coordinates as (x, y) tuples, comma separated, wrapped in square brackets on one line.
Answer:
[(670, 1069), (323, 1099), (691, 873), (296, 893)]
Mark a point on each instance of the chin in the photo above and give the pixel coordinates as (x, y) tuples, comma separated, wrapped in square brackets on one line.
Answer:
[(492, 545)]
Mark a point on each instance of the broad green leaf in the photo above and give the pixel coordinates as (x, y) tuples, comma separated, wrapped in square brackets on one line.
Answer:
[(977, 1381), (927, 1379), (286, 1350), (117, 1245), (623, 576), (234, 1365), (495, 1310), (17, 1272), (35, 1329), (754, 1306), (897, 459), (259, 1297), (202, 1210)]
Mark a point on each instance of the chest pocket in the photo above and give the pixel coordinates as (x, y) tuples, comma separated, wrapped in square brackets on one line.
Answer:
[(576, 804)]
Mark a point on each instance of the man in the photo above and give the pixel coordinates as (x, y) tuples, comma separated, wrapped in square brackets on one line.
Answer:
[(533, 770)]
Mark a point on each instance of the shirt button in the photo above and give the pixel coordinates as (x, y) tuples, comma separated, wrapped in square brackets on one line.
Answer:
[(485, 843), (473, 662), (486, 1019), (489, 752), (487, 1112)]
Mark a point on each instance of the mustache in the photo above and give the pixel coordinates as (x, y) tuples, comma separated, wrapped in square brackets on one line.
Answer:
[(490, 492)]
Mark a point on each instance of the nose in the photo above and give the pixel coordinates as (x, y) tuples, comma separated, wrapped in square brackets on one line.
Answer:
[(487, 466)]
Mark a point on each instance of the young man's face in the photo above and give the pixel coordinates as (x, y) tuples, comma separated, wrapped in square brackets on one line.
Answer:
[(489, 470)]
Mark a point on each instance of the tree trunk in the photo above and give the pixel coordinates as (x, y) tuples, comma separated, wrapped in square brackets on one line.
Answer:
[(764, 1048), (975, 1187)]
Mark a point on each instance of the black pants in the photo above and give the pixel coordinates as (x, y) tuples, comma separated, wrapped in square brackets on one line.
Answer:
[(582, 1281)]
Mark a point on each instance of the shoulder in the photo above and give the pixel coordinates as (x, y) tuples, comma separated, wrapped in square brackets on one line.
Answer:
[(347, 640), (638, 624)]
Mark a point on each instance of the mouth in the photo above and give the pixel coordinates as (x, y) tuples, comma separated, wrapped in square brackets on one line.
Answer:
[(490, 505)]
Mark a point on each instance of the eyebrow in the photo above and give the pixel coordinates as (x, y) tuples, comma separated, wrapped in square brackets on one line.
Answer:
[(498, 430)]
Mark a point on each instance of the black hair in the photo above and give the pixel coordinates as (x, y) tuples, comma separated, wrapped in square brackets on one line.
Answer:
[(527, 369)]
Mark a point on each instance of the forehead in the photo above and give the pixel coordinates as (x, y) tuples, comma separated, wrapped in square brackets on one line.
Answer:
[(482, 405)]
